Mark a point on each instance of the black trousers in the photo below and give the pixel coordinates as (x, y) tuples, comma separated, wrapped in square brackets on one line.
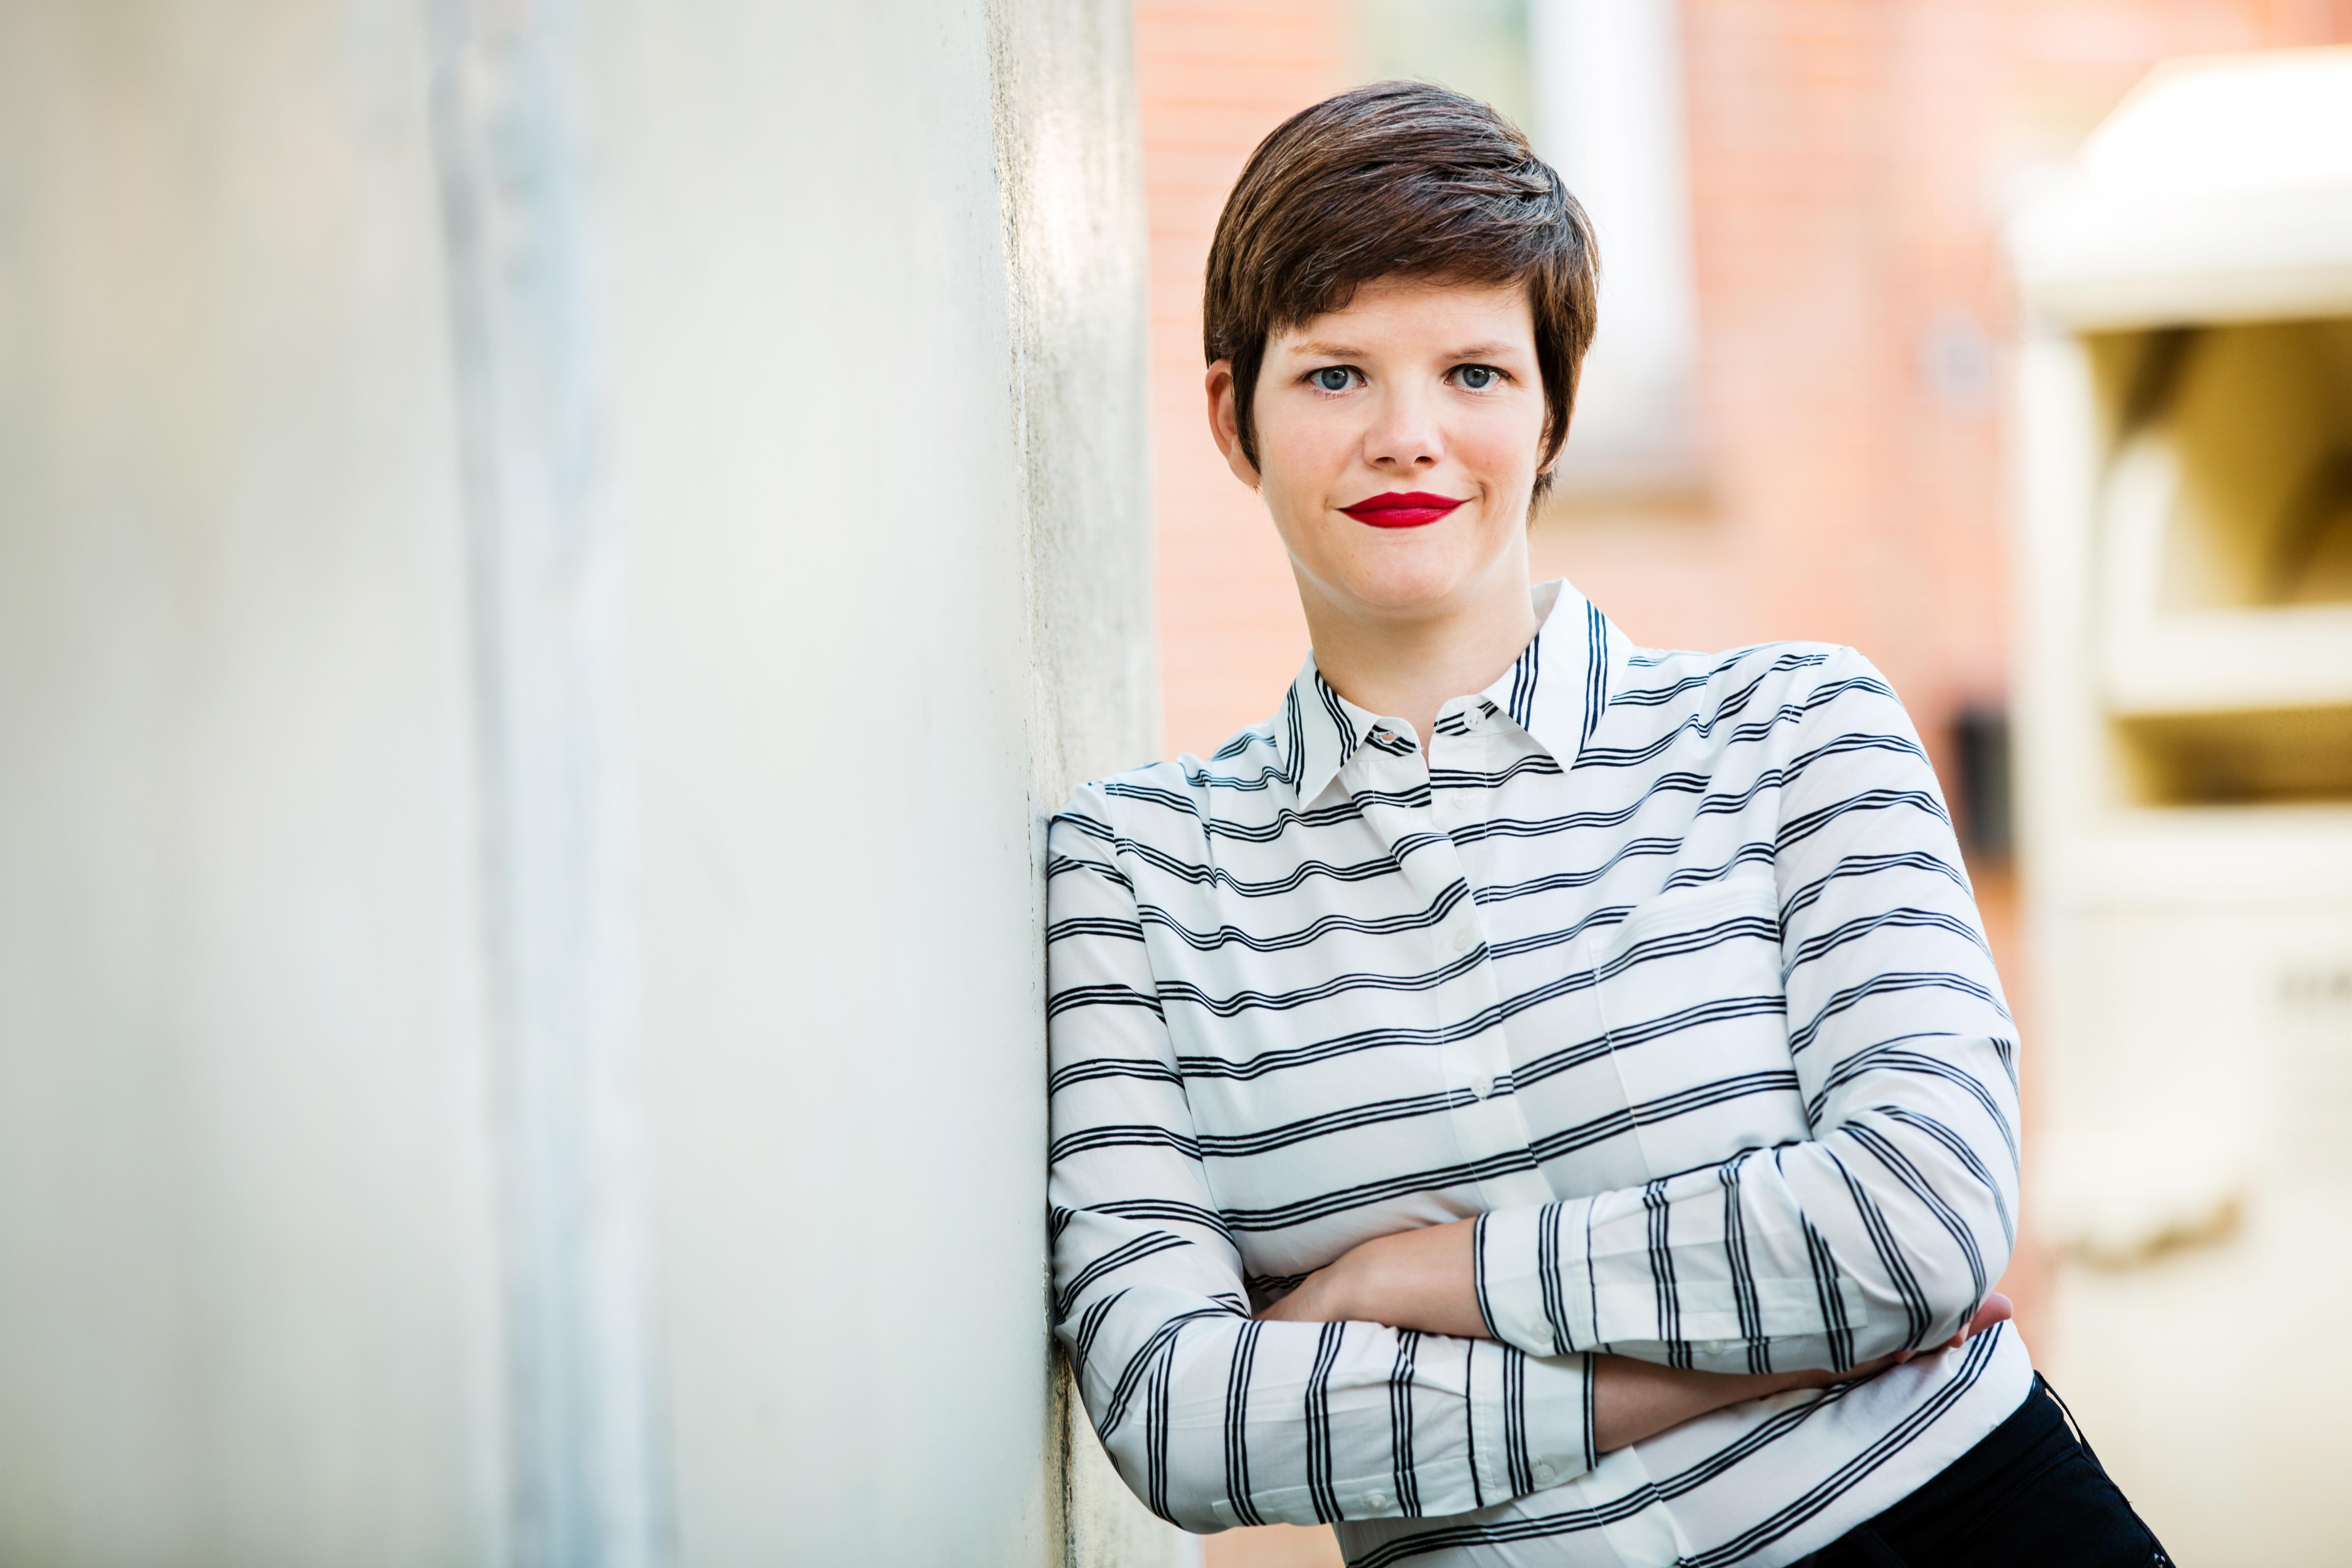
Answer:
[(2030, 1493)]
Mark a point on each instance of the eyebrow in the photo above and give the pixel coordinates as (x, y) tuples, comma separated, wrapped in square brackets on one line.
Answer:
[(1349, 351)]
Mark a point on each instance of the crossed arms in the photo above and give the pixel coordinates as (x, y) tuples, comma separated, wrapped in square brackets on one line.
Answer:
[(1426, 1279), (1449, 1368)]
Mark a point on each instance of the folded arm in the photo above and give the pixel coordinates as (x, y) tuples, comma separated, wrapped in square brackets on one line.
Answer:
[(1886, 1230), (1213, 1418), (1427, 1279)]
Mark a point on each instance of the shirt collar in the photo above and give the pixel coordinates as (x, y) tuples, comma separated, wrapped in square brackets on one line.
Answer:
[(1554, 691)]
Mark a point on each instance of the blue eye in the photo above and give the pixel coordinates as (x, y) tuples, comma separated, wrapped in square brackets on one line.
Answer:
[(1332, 378), (1477, 377)]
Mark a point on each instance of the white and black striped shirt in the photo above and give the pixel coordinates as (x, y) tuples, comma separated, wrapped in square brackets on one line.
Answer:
[(1665, 964)]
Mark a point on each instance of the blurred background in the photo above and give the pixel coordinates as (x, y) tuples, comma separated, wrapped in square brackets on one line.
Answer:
[(1803, 418), (494, 1070)]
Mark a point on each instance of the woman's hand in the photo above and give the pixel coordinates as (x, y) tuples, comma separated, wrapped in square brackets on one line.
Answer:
[(1632, 1400), (1997, 1309), (1425, 1278)]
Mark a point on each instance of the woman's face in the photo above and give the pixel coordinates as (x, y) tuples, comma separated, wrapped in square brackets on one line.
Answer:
[(1396, 443)]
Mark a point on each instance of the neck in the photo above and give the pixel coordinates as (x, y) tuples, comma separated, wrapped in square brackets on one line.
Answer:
[(1409, 665)]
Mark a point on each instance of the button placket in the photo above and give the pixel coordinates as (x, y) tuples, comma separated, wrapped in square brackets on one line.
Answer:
[(1485, 1124)]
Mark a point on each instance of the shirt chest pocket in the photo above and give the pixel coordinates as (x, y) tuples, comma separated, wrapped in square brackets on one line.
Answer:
[(1689, 991)]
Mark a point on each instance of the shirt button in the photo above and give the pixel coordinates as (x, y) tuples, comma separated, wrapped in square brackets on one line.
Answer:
[(1465, 940), (1485, 1087), (1545, 1475), (1376, 1499)]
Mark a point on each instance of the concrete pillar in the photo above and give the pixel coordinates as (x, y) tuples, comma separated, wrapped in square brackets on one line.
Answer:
[(551, 560)]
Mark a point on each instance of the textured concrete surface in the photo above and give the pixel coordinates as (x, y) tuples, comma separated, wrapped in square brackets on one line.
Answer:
[(802, 346)]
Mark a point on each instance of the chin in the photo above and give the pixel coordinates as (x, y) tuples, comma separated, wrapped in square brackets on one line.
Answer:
[(1404, 581)]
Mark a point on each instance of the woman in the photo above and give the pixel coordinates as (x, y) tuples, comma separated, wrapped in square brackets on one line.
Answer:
[(1535, 1100)]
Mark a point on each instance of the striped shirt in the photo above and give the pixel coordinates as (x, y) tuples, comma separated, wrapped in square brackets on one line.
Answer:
[(1666, 967)]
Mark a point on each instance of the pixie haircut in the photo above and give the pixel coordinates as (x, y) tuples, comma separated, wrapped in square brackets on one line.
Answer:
[(1398, 179)]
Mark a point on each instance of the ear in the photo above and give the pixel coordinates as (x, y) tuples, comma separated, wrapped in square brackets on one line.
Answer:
[(1224, 422)]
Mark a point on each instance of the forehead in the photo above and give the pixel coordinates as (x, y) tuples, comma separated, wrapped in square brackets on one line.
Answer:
[(1407, 313)]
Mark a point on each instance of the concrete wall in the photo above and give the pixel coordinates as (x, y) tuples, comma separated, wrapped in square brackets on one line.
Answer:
[(550, 560), (246, 1260)]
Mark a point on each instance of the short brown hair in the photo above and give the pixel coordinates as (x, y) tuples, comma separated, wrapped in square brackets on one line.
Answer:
[(1399, 178)]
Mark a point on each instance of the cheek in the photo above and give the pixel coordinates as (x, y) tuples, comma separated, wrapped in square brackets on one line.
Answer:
[(1506, 444), (1301, 457), (1302, 439)]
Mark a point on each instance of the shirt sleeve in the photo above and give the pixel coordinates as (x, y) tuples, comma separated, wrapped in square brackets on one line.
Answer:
[(1214, 1418), (1886, 1229)]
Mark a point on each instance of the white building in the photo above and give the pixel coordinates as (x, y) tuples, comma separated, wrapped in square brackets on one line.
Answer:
[(2186, 794)]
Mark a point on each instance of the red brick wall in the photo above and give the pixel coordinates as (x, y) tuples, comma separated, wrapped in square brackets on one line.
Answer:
[(1214, 79)]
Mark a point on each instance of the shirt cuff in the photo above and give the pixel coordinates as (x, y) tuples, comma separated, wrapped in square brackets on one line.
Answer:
[(1530, 1420), (1535, 1282)]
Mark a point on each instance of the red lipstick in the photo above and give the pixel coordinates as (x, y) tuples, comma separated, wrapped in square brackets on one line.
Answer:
[(1400, 509)]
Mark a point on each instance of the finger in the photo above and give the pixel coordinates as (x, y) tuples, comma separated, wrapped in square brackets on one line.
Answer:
[(1997, 1309)]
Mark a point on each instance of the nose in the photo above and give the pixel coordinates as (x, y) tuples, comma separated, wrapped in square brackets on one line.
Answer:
[(1405, 436)]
